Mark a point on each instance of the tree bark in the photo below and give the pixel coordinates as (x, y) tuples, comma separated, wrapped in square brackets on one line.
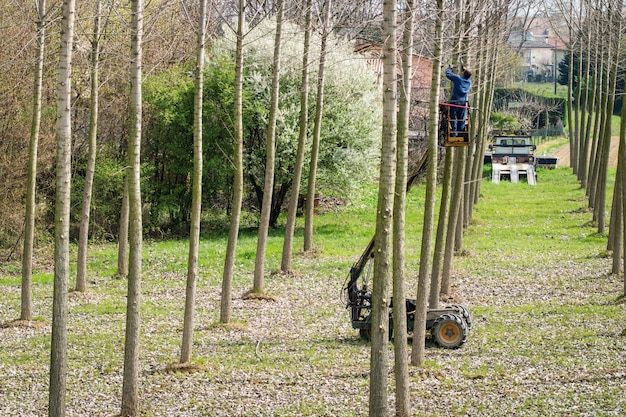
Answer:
[(400, 345), (58, 347), (575, 146), (440, 242), (382, 258), (83, 239), (617, 218), (317, 129), (599, 99), (302, 135), (570, 79), (235, 216), (587, 158), (130, 383), (418, 352), (614, 64), (583, 139), (26, 308), (196, 204), (122, 239), (618, 225), (270, 149), (453, 216)]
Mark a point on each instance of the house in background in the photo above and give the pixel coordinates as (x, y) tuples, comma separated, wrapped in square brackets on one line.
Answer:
[(541, 48)]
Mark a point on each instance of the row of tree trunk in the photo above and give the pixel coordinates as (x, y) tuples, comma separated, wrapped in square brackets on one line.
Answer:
[(467, 32), (462, 176), (596, 60), (130, 245)]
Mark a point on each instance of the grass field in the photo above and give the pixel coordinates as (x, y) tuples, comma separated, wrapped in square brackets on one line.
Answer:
[(547, 337), (543, 89)]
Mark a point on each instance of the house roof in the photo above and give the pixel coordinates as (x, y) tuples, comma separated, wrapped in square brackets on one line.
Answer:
[(536, 45)]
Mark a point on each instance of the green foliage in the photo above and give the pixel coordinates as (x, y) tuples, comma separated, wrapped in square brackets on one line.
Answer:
[(544, 89), (349, 130), (350, 119), (169, 145), (504, 122), (106, 198)]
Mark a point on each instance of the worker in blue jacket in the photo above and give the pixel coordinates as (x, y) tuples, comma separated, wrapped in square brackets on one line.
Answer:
[(460, 88)]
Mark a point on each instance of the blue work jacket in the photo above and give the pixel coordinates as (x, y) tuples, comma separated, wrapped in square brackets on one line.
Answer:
[(461, 85)]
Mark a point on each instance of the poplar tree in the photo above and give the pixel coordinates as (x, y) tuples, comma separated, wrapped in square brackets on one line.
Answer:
[(58, 346), (270, 149), (83, 239), (285, 265), (130, 382), (379, 361), (423, 285), (196, 204), (26, 311), (235, 215)]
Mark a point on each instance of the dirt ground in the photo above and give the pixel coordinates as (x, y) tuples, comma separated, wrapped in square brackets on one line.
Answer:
[(563, 154)]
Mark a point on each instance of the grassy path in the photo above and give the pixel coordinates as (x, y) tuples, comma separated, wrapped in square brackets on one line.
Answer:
[(551, 341), (547, 337)]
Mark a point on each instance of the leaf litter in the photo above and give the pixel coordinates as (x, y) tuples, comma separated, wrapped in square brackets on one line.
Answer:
[(547, 340)]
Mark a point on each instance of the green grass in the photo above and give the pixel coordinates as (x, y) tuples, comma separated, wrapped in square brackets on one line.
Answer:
[(552, 145), (547, 336), (544, 89)]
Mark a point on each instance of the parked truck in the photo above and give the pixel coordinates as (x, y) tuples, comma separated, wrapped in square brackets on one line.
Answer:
[(513, 157)]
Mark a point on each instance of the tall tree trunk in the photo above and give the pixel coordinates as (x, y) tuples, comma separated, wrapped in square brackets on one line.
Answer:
[(379, 360), (618, 225), (235, 216), (575, 146), (418, 352), (317, 132), (26, 308), (196, 204), (583, 153), (270, 149), (83, 239), (122, 239), (570, 79), (622, 179), (440, 242), (302, 135), (453, 218), (130, 383), (489, 52), (58, 347), (592, 110), (617, 218), (400, 345), (613, 67), (593, 159), (475, 170)]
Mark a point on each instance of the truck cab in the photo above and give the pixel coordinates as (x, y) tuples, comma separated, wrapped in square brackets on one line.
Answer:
[(513, 157)]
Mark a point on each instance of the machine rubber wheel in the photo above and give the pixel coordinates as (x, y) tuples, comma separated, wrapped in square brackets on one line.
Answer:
[(450, 331), (465, 314)]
